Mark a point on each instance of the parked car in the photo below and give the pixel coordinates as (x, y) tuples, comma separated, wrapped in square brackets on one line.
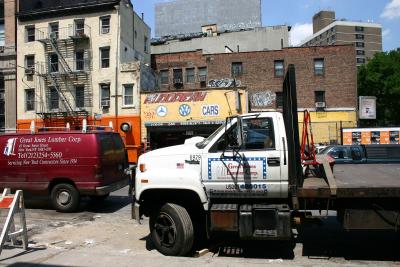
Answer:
[(65, 165), (354, 154)]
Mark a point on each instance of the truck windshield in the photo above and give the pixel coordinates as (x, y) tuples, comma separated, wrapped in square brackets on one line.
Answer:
[(206, 141)]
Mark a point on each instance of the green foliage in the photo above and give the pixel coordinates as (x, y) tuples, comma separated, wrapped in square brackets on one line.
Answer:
[(381, 78)]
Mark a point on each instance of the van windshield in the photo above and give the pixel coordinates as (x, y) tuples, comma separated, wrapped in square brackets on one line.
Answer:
[(206, 141)]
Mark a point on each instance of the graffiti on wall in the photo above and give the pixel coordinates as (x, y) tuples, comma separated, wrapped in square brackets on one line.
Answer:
[(263, 99), (223, 83)]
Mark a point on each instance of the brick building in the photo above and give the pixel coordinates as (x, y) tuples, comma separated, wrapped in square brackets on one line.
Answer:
[(326, 80)]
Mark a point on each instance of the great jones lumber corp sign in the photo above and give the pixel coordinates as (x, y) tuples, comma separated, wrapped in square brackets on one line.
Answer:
[(39, 150), (191, 107)]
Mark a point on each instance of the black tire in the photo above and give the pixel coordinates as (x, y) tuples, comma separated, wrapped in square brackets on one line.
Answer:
[(99, 198), (65, 197), (172, 231)]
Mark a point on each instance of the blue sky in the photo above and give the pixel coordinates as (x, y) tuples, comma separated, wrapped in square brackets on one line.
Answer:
[(298, 14)]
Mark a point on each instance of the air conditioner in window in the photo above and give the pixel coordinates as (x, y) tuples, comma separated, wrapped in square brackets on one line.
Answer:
[(202, 78), (53, 36), (2, 48), (29, 71), (105, 103), (320, 104), (105, 30), (177, 81)]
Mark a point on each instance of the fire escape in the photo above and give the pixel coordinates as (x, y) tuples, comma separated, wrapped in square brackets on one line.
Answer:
[(66, 74)]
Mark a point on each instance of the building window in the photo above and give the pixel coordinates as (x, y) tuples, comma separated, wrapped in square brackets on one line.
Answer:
[(319, 96), (146, 40), (53, 29), (237, 69), (53, 59), (105, 95), (360, 52), (105, 25), (105, 57), (202, 74), (128, 94), (178, 76), (333, 38), (360, 36), (359, 44), (164, 76), (279, 100), (333, 29), (79, 60), (190, 75), (360, 60), (79, 27), (80, 96), (30, 62), (30, 33), (279, 68), (54, 98), (29, 99), (319, 68), (359, 29)]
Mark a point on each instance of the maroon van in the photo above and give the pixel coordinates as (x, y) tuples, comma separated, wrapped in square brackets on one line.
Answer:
[(64, 165)]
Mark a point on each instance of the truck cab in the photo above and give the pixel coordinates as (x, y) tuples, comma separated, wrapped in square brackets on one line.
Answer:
[(220, 184)]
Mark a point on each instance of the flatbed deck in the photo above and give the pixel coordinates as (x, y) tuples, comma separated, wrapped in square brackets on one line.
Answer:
[(356, 181)]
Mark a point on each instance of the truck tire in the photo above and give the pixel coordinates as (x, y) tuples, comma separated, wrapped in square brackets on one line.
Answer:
[(172, 230), (65, 197)]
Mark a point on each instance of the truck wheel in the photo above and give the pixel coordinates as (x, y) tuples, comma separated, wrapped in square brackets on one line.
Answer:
[(172, 230), (65, 197)]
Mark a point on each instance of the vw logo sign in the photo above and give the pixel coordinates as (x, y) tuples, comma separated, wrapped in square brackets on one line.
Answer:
[(161, 111), (184, 110)]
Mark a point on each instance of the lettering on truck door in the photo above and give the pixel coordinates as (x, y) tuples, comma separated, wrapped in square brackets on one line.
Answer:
[(252, 170)]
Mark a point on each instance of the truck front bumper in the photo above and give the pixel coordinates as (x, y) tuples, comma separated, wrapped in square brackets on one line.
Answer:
[(104, 190)]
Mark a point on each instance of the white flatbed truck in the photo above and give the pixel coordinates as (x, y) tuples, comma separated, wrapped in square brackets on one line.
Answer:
[(247, 180)]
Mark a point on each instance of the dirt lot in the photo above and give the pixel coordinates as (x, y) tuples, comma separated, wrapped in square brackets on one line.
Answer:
[(104, 235)]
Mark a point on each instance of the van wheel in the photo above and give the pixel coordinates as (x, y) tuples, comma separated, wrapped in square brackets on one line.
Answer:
[(65, 197), (172, 230)]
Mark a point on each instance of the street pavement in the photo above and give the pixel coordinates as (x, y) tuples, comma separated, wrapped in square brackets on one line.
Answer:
[(103, 234)]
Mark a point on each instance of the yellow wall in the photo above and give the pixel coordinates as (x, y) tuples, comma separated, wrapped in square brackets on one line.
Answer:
[(326, 125), (196, 100)]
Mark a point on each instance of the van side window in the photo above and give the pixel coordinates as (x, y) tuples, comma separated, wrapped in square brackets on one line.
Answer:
[(258, 133)]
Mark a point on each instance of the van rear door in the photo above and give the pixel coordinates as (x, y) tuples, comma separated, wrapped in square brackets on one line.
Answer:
[(113, 157)]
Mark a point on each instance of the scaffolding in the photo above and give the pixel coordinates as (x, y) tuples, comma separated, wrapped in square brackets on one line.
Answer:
[(66, 75)]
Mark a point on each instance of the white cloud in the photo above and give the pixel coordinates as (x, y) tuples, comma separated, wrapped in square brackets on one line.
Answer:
[(299, 32), (386, 32), (391, 10)]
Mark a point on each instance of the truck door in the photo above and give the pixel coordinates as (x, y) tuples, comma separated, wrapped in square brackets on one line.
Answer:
[(250, 170)]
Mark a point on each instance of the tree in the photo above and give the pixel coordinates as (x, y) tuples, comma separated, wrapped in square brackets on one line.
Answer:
[(381, 78)]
